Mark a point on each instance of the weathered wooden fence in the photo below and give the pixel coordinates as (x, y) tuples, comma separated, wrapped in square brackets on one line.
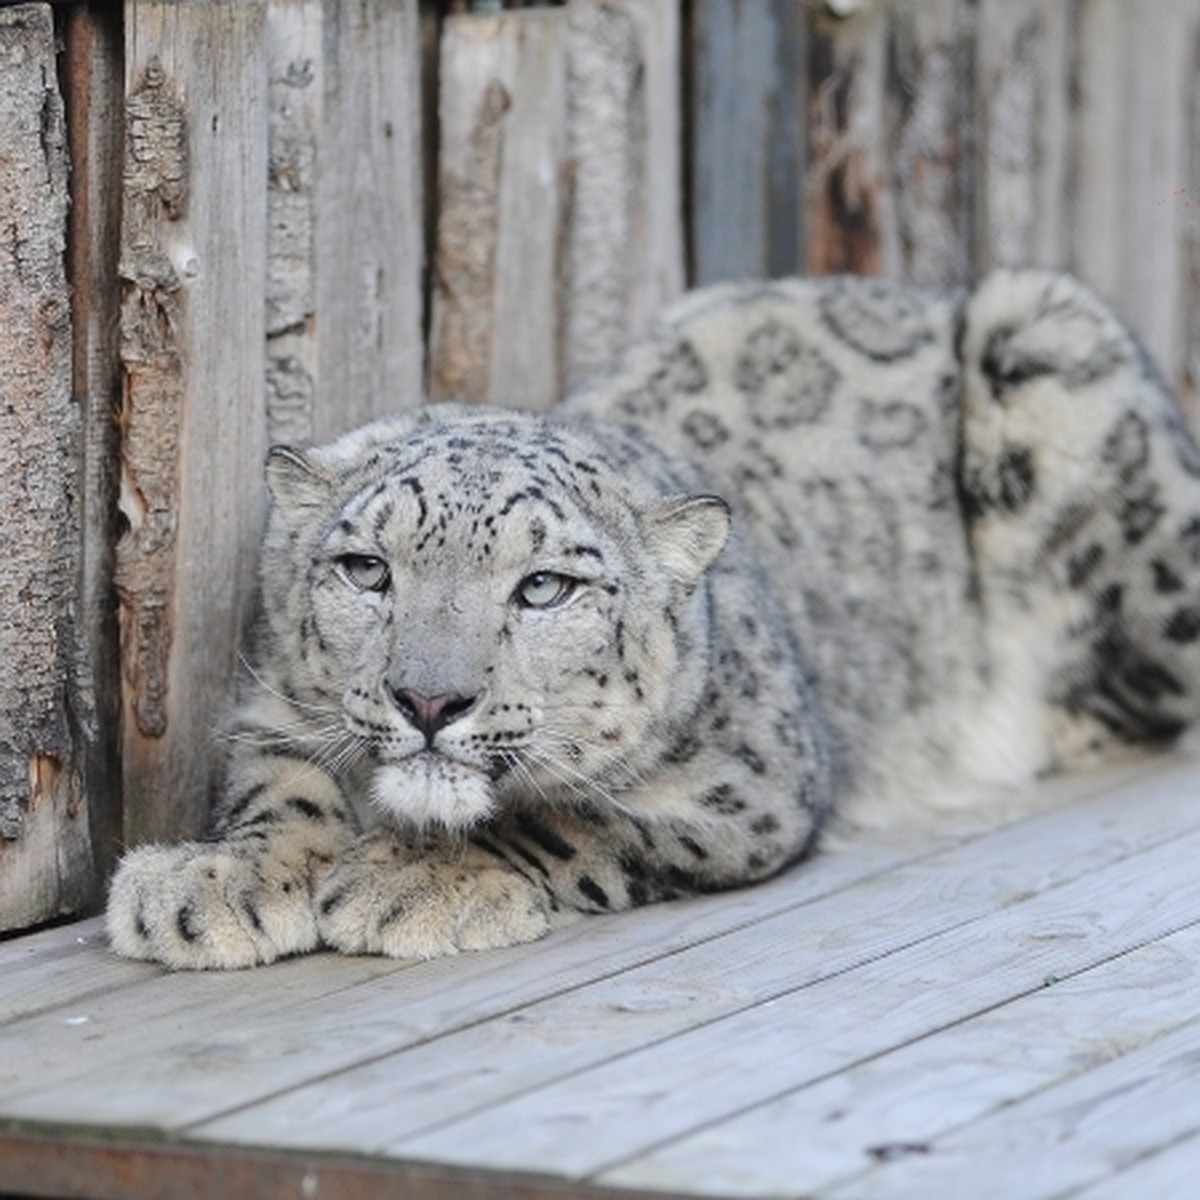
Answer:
[(228, 223)]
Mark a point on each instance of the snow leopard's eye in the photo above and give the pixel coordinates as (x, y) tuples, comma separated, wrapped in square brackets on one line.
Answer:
[(365, 572), (545, 589)]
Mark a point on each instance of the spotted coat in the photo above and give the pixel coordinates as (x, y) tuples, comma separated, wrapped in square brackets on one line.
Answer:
[(811, 545)]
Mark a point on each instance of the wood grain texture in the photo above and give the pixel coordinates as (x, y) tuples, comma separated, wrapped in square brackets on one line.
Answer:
[(849, 202), (498, 270), (899, 1103), (1136, 80), (558, 233), (47, 698), (344, 245), (625, 244), (1019, 993), (193, 269), (1022, 149), (747, 129), (368, 240)]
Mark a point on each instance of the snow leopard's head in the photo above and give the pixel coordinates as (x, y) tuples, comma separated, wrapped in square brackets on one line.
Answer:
[(492, 604)]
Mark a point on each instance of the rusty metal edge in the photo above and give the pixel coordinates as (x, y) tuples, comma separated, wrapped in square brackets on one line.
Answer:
[(71, 1166)]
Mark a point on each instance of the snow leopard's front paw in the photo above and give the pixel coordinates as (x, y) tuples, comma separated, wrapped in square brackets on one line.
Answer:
[(199, 906), (379, 900)]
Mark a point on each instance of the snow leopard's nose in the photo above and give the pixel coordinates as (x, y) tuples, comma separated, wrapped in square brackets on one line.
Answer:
[(429, 714)]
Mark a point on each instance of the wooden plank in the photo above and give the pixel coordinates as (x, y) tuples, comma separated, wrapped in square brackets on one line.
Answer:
[(747, 135), (1136, 74), (928, 80), (496, 312), (47, 702), (587, 951), (344, 250), (60, 966), (43, 1164), (625, 239), (631, 1102), (1077, 1132), (838, 1127), (262, 1007), (581, 1023), (369, 221), (192, 331), (850, 215), (1022, 74), (1188, 383), (294, 47), (559, 232), (1170, 1171), (316, 1002)]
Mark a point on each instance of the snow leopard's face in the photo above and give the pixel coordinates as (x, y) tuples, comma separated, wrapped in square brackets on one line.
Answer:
[(488, 608)]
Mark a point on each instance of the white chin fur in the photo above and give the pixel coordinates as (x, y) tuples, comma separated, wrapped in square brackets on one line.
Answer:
[(427, 790)]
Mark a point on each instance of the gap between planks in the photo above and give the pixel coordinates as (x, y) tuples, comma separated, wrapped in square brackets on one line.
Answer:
[(1155, 820)]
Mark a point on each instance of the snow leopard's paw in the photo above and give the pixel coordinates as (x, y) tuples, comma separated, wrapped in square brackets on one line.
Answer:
[(378, 900), (199, 906)]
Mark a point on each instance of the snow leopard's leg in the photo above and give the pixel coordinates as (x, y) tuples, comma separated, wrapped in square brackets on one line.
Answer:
[(1081, 487), (245, 894), (422, 895), (741, 796)]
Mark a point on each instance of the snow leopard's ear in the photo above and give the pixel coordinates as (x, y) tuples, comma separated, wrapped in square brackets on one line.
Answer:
[(298, 484), (687, 534)]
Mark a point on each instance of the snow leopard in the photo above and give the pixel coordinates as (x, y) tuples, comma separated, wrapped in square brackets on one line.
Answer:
[(811, 542)]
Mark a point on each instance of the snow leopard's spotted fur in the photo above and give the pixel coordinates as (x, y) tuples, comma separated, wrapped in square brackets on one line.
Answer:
[(965, 544)]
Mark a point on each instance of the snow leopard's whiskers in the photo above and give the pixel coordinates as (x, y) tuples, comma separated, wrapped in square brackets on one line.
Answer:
[(271, 689), (520, 769), (580, 786)]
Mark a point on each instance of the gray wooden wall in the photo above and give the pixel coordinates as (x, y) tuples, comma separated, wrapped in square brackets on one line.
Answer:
[(224, 224)]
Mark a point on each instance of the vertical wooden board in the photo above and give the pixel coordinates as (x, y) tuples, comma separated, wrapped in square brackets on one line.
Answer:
[(47, 707), (1160, 82), (93, 88), (192, 271), (929, 118), (849, 203), (295, 90), (624, 239), (1189, 382), (1136, 83), (1022, 72), (747, 135), (368, 247), (472, 103), (498, 260), (527, 296)]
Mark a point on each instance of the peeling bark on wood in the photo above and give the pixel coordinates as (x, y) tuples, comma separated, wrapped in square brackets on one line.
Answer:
[(152, 355), (497, 298), (344, 215), (47, 703), (296, 83), (193, 269), (849, 208), (559, 234), (473, 106)]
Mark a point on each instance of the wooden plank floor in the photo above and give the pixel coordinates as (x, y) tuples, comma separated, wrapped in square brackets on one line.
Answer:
[(1007, 1011)]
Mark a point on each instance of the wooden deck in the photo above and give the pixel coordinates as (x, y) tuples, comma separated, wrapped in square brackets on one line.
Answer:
[(1013, 1012)]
